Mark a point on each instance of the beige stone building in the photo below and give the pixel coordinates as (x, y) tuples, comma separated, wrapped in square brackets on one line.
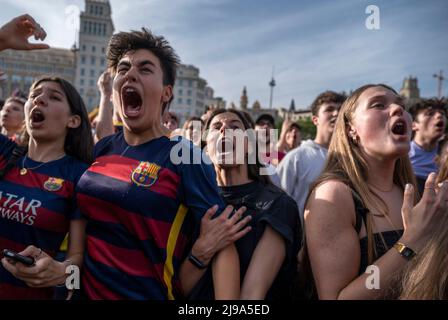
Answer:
[(21, 68)]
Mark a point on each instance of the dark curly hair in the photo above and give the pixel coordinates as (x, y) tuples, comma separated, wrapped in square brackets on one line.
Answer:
[(123, 42)]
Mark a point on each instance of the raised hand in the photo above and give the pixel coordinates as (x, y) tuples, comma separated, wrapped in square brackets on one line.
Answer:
[(15, 34), (105, 84), (419, 220)]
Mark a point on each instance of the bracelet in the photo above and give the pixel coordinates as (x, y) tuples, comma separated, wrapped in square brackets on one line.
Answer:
[(405, 251), (196, 262)]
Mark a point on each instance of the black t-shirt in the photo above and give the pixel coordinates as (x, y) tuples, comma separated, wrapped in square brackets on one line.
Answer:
[(268, 205)]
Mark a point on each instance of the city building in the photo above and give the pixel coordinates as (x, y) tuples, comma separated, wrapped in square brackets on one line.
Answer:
[(410, 90), (213, 102), (22, 67), (83, 64), (96, 28), (189, 93)]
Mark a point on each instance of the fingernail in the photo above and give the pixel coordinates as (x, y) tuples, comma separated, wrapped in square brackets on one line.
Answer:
[(408, 187)]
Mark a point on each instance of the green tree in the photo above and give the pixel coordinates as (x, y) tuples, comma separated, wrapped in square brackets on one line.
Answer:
[(308, 128)]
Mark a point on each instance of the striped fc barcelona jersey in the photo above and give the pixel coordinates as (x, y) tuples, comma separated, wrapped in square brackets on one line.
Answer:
[(35, 209), (143, 211)]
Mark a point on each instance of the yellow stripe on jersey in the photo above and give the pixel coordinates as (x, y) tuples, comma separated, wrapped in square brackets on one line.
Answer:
[(168, 269), (64, 244)]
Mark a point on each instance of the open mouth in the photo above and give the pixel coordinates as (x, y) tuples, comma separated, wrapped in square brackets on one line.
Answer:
[(132, 102), (37, 117), (227, 145), (440, 125), (399, 128)]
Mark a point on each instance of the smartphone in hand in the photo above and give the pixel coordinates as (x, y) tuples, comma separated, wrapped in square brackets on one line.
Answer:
[(12, 255)]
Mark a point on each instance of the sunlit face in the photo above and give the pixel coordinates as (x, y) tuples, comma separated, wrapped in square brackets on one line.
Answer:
[(223, 147), (430, 124), (47, 112), (139, 92), (326, 118), (12, 116), (293, 137), (381, 125)]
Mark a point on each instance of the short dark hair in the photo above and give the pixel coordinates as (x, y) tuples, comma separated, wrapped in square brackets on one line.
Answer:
[(123, 42), (326, 97), (266, 116), (294, 125), (423, 104)]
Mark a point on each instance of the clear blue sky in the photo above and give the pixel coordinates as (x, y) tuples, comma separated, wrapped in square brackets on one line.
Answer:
[(314, 45)]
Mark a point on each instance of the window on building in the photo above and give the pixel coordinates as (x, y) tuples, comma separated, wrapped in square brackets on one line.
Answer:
[(189, 102), (103, 50), (83, 47), (81, 91), (84, 27), (180, 82), (181, 92), (81, 82), (94, 28), (82, 71), (189, 93), (83, 59), (190, 83), (103, 62), (91, 83), (96, 10), (101, 11), (179, 101), (89, 27), (92, 60), (93, 48), (92, 72)]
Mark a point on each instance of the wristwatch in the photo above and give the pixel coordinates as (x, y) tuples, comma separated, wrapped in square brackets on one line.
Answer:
[(404, 251), (196, 262)]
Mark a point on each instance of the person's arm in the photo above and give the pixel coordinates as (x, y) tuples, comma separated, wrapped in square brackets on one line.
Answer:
[(281, 144), (264, 266), (215, 234), (288, 172), (226, 274), (48, 272), (105, 123), (15, 34), (333, 243)]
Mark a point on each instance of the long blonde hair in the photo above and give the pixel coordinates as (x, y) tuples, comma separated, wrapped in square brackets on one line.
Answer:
[(345, 163), (426, 276)]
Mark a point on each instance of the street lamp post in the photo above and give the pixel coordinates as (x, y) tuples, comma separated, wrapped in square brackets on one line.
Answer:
[(440, 79)]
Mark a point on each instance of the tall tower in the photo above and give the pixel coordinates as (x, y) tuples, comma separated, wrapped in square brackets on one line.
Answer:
[(96, 28), (272, 85), (244, 100), (292, 106), (410, 88)]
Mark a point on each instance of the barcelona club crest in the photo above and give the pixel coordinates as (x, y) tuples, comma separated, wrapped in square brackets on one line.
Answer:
[(146, 174), (53, 184)]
